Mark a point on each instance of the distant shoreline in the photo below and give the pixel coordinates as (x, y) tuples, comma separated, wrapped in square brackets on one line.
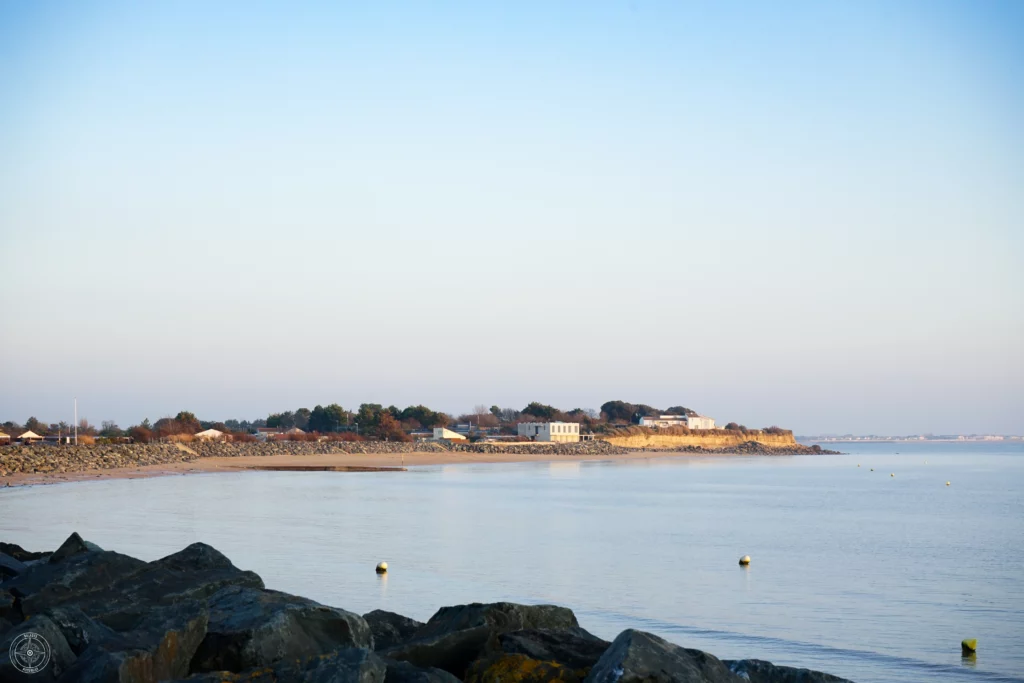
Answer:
[(819, 439), (343, 462)]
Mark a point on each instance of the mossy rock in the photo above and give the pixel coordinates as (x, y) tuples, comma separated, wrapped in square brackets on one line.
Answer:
[(522, 669)]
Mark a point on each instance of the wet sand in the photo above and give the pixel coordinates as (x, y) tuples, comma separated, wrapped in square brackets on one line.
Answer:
[(336, 462)]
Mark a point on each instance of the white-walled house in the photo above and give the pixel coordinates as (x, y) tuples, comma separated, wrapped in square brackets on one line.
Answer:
[(691, 421), (550, 431)]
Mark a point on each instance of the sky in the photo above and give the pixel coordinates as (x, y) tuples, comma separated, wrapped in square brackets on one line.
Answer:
[(808, 214)]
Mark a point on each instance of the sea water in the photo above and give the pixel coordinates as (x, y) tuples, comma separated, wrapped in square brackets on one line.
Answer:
[(865, 575)]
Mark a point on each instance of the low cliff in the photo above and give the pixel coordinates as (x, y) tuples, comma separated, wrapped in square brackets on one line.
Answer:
[(718, 439)]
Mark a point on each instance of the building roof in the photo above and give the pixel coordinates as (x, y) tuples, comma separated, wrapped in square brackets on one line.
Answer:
[(210, 432), (4, 436), (29, 435), (295, 430)]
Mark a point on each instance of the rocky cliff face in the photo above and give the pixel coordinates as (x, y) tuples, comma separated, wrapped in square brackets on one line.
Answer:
[(194, 616), (712, 439)]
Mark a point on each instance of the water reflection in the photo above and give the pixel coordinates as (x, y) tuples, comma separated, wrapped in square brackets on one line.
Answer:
[(564, 470)]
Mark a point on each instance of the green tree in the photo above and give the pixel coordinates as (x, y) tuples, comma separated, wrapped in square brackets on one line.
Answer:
[(285, 420), (369, 416), (618, 411), (540, 411), (109, 428), (329, 419), (302, 418), (34, 425), (679, 410), (188, 422), (425, 416)]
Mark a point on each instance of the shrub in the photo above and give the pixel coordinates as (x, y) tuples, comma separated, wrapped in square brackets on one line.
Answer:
[(140, 434)]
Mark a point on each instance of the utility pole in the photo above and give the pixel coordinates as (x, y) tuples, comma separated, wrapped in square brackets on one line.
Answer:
[(76, 420)]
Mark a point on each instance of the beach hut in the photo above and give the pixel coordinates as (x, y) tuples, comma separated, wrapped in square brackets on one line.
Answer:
[(29, 437), (4, 439)]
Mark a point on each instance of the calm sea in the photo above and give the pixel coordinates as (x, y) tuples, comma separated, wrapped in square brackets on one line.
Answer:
[(854, 572)]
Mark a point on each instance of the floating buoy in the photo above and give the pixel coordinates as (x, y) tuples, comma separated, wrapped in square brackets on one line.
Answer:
[(858, 464), (382, 567), (892, 474), (872, 469), (745, 560), (969, 646), (947, 483)]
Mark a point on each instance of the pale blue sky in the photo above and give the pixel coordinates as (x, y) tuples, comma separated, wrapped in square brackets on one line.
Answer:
[(807, 213)]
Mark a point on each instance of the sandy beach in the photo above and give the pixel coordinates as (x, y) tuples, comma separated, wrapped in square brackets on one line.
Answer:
[(339, 461)]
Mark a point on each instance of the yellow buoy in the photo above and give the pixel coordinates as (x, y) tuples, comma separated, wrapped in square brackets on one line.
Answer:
[(382, 567), (947, 483), (969, 646), (858, 464), (892, 474), (745, 560)]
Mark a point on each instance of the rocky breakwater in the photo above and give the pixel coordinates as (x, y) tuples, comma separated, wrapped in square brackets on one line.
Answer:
[(44, 459), (194, 616)]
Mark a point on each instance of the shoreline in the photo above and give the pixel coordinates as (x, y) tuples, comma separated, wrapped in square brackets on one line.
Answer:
[(336, 462)]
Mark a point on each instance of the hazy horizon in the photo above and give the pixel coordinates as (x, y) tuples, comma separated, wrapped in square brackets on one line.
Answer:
[(803, 214)]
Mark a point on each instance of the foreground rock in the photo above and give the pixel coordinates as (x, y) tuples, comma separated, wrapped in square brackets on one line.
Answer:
[(639, 657), (539, 655), (194, 616), (455, 637), (758, 671), (252, 628), (390, 629)]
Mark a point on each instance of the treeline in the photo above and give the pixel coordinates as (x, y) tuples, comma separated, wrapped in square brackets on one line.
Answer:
[(371, 420)]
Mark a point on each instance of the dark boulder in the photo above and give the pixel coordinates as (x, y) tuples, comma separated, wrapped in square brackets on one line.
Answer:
[(195, 557), (61, 658), (521, 669), (9, 609), (159, 646), (639, 657), (107, 585), (10, 566), (255, 628), (759, 671), (499, 617), (390, 629), (457, 636), (78, 629), (74, 545), (353, 665), (404, 672), (575, 649), (19, 553)]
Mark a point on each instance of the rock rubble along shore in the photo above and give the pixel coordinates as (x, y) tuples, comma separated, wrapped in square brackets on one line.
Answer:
[(40, 459), (194, 616)]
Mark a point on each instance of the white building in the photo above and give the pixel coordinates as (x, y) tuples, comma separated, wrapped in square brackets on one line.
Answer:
[(691, 421), (210, 435), (442, 434), (550, 431)]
